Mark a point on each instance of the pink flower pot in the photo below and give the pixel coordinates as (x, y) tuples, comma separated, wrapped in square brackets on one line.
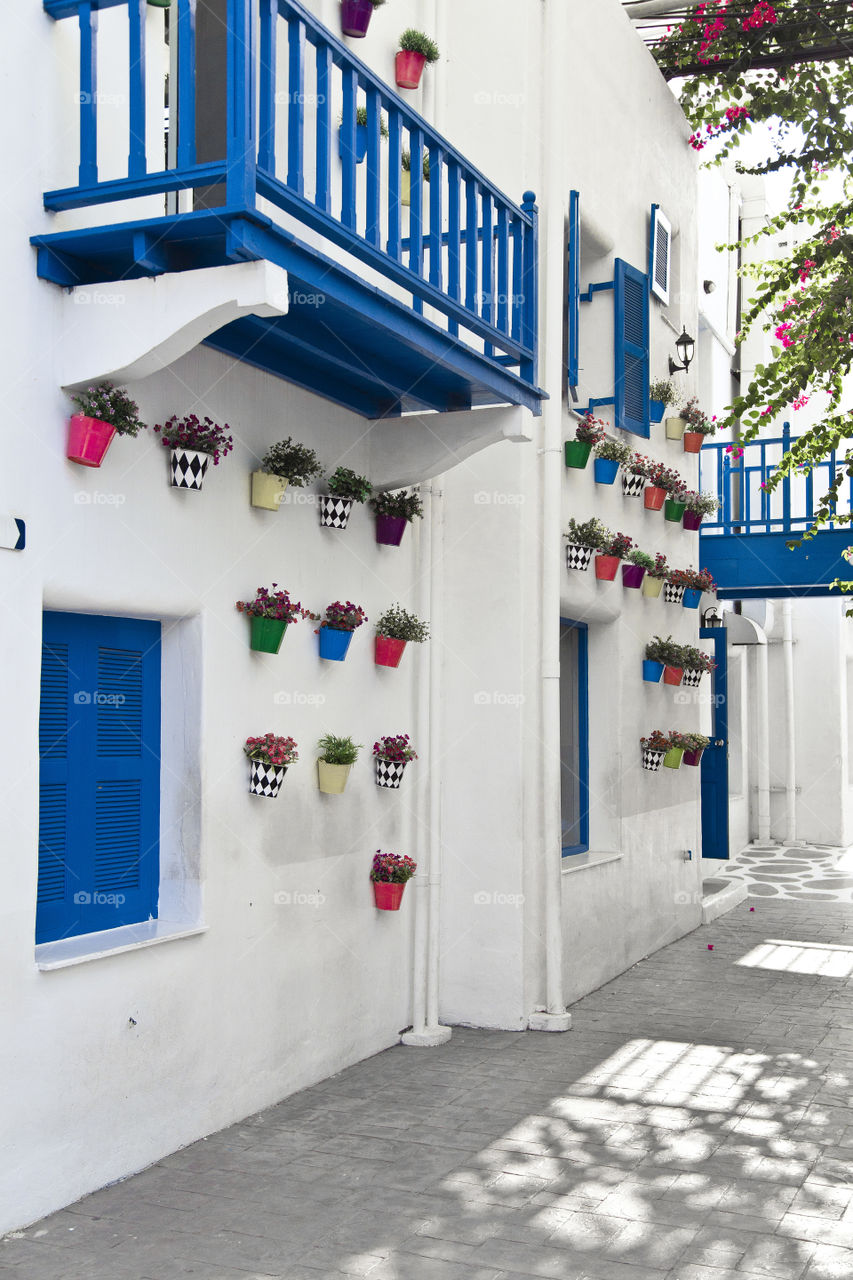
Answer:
[(691, 520), (632, 575), (409, 67), (388, 651), (387, 896), (355, 17), (88, 440), (605, 567)]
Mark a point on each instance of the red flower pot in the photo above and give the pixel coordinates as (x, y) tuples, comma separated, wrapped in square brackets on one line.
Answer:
[(632, 575), (605, 567), (693, 757), (672, 675), (692, 441), (409, 67), (691, 520), (88, 440), (387, 896), (653, 497), (355, 17), (388, 651)]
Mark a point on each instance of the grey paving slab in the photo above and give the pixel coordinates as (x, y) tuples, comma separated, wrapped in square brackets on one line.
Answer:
[(696, 1124)]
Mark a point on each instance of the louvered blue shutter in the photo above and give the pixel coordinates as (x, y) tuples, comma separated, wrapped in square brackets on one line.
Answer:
[(631, 324), (99, 792)]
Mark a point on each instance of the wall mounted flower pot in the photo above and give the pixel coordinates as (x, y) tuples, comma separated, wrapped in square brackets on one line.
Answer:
[(605, 567), (406, 187), (578, 557), (605, 470), (691, 520), (577, 453), (334, 643), (267, 490), (355, 18), (388, 651), (333, 777), (652, 760), (673, 510), (390, 530), (657, 408), (160, 4), (632, 575), (408, 68), (652, 587), (632, 485), (360, 142), (335, 512), (691, 598), (267, 634), (88, 440), (266, 779), (693, 441), (692, 679), (672, 675), (693, 757), (389, 773), (672, 593), (673, 758), (187, 468), (675, 428), (387, 896), (653, 497), (652, 671)]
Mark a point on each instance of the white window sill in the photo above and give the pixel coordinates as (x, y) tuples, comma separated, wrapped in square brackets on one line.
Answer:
[(111, 942), (582, 861)]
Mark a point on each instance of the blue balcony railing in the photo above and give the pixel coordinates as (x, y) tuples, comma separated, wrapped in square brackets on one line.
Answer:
[(461, 256)]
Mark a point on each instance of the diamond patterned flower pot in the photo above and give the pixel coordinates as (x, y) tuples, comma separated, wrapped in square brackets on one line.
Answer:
[(188, 467), (692, 679), (388, 651), (389, 773), (632, 486), (652, 760), (672, 593), (578, 557), (387, 896), (266, 779), (335, 512), (88, 440)]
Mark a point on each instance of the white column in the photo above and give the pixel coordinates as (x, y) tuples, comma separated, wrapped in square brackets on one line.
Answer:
[(763, 743), (790, 743)]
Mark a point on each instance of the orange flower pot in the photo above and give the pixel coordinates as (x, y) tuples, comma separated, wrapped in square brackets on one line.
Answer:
[(672, 675), (693, 441), (606, 567), (653, 497)]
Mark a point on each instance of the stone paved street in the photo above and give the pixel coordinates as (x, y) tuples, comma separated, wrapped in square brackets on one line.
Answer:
[(696, 1124)]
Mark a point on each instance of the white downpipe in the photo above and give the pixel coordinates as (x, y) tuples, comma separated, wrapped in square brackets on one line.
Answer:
[(763, 751), (420, 883), (790, 726)]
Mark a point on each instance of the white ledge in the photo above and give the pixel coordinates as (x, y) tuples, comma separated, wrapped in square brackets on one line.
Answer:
[(582, 861), (111, 942)]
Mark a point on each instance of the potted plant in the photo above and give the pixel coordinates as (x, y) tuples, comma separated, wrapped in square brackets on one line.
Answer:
[(674, 427), (674, 587), (673, 668), (659, 481), (634, 475), (695, 663), (336, 629), (392, 754), (693, 753), (635, 570), (389, 874), (406, 174), (697, 426), (193, 443), (661, 393), (333, 766), (394, 630), (678, 744), (105, 411), (614, 549), (344, 487), (587, 433), (697, 506), (361, 127), (287, 462), (654, 659), (583, 540), (654, 748), (356, 15), (609, 456), (655, 577), (271, 612), (695, 582), (675, 504), (270, 756), (416, 50), (393, 512)]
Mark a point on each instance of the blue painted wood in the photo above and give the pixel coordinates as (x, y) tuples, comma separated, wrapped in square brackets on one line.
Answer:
[(487, 266), (88, 19), (137, 162), (503, 286), (530, 287), (183, 117), (395, 169), (714, 764), (454, 239), (631, 349), (240, 180), (201, 175), (581, 691), (373, 226), (295, 106), (267, 83), (573, 300), (323, 192), (99, 784), (472, 238), (416, 255), (349, 88), (436, 215)]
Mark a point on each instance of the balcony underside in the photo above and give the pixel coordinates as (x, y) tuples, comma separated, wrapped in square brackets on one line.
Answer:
[(342, 339), (760, 566)]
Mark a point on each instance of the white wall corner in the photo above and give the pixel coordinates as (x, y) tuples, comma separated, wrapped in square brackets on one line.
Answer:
[(129, 329), (408, 450)]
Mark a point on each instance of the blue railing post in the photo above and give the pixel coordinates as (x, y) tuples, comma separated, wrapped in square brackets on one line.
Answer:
[(530, 287), (786, 483), (241, 163), (267, 82), (88, 19), (136, 158), (184, 119)]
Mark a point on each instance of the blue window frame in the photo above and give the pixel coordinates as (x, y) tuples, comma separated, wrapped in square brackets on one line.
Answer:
[(574, 736), (99, 781)]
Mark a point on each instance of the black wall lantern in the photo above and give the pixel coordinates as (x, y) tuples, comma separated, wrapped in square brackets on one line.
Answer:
[(685, 346), (710, 618)]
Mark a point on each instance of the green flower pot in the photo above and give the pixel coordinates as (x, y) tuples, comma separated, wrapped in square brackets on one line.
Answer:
[(673, 510), (673, 758), (267, 634), (577, 453)]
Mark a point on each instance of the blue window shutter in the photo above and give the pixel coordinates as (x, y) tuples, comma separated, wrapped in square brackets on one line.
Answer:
[(99, 792), (631, 324)]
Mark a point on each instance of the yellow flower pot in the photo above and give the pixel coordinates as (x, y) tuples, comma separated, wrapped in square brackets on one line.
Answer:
[(333, 777), (405, 186), (652, 587), (267, 490), (675, 428)]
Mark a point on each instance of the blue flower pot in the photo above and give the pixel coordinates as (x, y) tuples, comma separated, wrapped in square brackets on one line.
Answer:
[(691, 598), (360, 142), (657, 409), (605, 470), (334, 643), (652, 671)]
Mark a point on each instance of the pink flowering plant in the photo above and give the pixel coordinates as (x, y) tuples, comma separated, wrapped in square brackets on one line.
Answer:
[(618, 544), (660, 568), (656, 741), (395, 749), (697, 420), (590, 430), (701, 504), (392, 868), (272, 603), (343, 616), (201, 435), (272, 749), (692, 579), (665, 478)]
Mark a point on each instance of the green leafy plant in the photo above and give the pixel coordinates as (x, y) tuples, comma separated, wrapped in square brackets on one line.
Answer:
[(343, 483), (406, 162), (291, 461), (405, 504), (338, 750), (398, 624), (667, 651), (663, 391), (701, 504), (641, 558), (694, 659), (613, 450), (413, 41), (110, 404), (361, 112), (591, 533), (696, 741)]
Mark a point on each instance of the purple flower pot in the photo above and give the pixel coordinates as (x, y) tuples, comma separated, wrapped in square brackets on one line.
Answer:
[(390, 530), (691, 520), (355, 17), (632, 575)]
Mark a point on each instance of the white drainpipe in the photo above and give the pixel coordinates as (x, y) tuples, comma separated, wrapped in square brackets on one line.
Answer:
[(763, 751), (789, 739)]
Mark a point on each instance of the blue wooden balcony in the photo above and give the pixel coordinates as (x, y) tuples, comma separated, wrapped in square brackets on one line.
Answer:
[(430, 305), (745, 547)]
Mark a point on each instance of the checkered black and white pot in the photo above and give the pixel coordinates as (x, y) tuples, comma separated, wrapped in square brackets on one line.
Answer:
[(633, 486), (652, 760), (672, 593), (389, 773), (266, 779), (692, 679), (335, 512), (578, 557), (188, 467)]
